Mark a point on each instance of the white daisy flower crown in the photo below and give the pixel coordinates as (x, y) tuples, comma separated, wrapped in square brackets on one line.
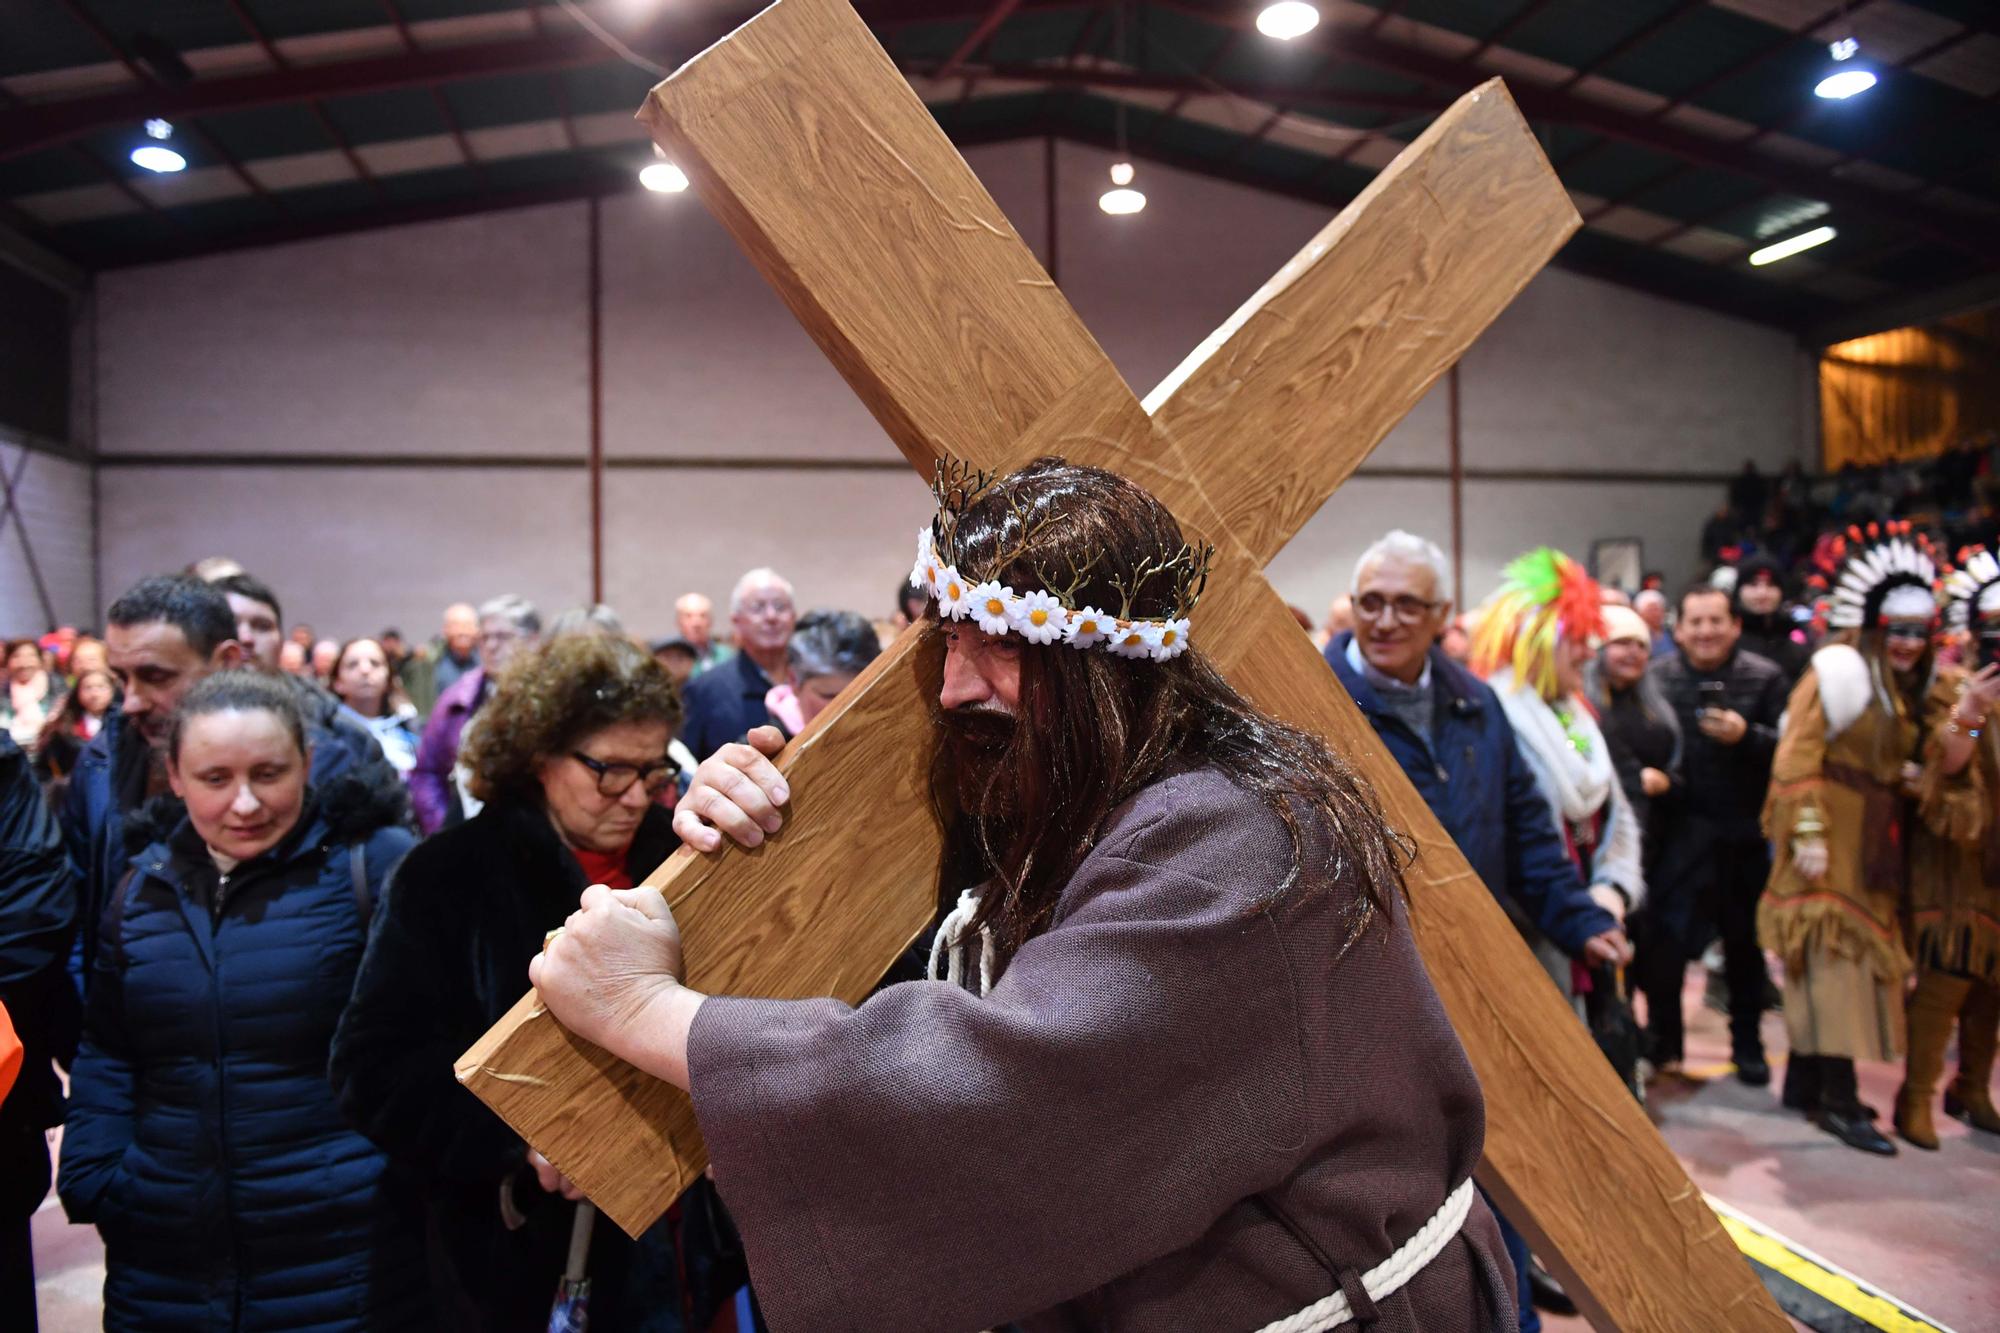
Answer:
[(1050, 614)]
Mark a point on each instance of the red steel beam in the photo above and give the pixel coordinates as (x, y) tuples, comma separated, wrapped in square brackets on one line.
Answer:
[(1500, 35), (1546, 104), (278, 61), (1804, 112), (1270, 95), (106, 39), (409, 40), (1631, 42), (981, 33), (34, 126), (1766, 52)]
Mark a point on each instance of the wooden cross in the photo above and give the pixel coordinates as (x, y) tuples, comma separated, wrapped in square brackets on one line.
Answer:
[(798, 132)]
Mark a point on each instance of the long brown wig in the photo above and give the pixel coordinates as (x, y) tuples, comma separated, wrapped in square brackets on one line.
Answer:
[(1093, 728)]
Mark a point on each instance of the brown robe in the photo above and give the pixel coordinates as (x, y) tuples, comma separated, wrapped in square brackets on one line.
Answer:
[(1182, 1107), (1840, 938), (1954, 854)]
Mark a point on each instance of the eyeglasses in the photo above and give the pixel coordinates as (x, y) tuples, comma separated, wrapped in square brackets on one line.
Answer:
[(1409, 610), (617, 779), (777, 608)]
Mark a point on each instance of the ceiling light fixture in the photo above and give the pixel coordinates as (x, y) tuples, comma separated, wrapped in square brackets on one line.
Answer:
[(1845, 80), (1121, 199), (663, 178), (1785, 249), (156, 156), (1288, 19)]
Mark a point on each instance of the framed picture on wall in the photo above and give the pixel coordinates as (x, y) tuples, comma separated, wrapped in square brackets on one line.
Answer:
[(1618, 562)]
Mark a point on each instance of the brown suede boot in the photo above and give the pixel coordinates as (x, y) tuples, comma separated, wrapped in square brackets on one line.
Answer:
[(1933, 1007), (1970, 1097)]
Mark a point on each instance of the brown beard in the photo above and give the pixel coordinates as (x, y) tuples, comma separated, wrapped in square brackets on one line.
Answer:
[(978, 745)]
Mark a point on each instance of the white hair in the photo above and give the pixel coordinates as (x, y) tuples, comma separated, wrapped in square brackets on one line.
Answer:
[(1650, 597), (751, 580), (1411, 549), (515, 609)]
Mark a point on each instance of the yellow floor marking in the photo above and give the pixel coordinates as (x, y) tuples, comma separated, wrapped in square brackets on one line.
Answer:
[(1818, 1276)]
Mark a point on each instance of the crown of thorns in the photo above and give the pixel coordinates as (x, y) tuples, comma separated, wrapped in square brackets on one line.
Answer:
[(1051, 613)]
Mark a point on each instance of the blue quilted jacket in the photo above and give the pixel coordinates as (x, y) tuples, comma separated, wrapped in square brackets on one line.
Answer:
[(203, 1139)]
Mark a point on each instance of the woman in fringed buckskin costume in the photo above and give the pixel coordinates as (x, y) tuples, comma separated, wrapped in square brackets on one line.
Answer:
[(1954, 916), (1836, 815)]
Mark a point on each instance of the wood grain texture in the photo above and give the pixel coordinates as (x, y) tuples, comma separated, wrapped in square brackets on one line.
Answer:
[(1297, 387), (811, 149), (800, 136)]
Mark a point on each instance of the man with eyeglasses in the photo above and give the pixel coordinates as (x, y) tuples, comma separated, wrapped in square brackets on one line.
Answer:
[(726, 701), (1448, 731), (1451, 737)]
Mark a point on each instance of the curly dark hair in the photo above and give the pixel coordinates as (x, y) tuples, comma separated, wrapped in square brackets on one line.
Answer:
[(553, 697)]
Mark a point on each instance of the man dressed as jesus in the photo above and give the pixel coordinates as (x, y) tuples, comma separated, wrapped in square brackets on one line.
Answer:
[(1178, 1066)]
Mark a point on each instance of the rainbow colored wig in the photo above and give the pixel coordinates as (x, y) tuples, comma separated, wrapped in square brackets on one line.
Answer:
[(1544, 599)]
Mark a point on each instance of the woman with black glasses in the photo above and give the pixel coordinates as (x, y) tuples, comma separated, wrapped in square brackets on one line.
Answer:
[(569, 756)]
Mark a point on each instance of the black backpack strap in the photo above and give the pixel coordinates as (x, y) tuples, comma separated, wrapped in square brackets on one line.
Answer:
[(357, 868)]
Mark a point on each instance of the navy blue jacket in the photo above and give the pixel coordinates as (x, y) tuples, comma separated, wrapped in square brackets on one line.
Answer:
[(110, 780), (203, 1138), (722, 703), (1475, 781)]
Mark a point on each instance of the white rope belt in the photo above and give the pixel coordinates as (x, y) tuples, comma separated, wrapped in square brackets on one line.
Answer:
[(1389, 1276)]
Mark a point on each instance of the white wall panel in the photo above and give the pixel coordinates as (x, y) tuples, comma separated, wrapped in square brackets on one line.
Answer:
[(844, 538), (471, 338), (1580, 374), (1505, 518), (52, 519), (464, 337), (701, 358), (353, 549), (1318, 565)]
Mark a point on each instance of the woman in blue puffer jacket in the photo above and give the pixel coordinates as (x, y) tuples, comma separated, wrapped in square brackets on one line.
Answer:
[(203, 1139)]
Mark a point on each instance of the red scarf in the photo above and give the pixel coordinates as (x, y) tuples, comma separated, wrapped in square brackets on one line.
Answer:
[(606, 868)]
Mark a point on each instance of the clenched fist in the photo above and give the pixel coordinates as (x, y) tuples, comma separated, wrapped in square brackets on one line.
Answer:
[(618, 954)]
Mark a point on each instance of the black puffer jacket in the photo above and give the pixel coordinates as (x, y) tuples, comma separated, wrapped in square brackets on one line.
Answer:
[(447, 958)]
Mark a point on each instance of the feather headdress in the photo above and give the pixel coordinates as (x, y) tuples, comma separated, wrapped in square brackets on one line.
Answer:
[(1544, 599), (1972, 591), (1876, 563)]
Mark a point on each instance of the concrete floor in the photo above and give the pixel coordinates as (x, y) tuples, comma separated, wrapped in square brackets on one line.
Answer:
[(1924, 1227)]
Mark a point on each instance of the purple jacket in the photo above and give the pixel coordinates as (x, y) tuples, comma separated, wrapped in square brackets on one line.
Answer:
[(430, 780)]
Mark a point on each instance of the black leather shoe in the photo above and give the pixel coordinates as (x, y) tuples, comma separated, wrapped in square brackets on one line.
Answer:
[(1754, 1071), (1856, 1131), (1547, 1293)]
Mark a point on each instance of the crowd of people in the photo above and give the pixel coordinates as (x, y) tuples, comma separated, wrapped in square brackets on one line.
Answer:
[(262, 887)]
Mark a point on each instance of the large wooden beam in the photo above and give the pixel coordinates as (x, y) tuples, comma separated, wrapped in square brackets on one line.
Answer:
[(819, 159)]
